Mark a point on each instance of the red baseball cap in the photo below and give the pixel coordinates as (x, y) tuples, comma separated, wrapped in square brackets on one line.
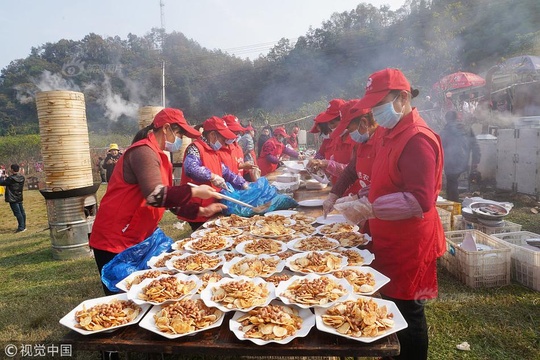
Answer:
[(315, 128), (281, 131), (380, 83), (174, 116), (219, 125), (349, 111), (331, 112), (233, 123)]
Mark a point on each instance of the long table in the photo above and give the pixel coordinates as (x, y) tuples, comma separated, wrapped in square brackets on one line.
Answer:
[(222, 342)]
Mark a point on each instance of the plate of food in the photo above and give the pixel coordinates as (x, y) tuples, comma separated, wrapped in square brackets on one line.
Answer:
[(271, 231), (311, 202), (195, 263), (313, 290), (318, 262), (285, 213), (379, 318), (104, 314), (225, 231), (331, 219), (338, 228), (253, 266), (279, 277), (313, 243), (234, 221), (364, 279), (261, 247), (182, 318), (180, 245), (240, 293), (356, 257), (275, 220), (209, 243), (138, 276), (159, 262), (303, 229), (303, 219), (165, 288), (352, 239), (273, 323)]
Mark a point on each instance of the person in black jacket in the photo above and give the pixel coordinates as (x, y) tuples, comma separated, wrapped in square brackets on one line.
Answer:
[(14, 195), (461, 152)]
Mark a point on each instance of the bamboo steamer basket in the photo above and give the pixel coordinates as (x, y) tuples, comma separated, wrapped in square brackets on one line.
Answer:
[(147, 114), (64, 139)]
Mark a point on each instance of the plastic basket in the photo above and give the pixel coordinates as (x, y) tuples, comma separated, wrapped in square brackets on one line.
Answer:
[(487, 268), (446, 219), (506, 226), (525, 268), (453, 207)]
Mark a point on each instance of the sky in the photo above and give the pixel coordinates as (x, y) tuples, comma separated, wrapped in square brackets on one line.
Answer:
[(245, 28)]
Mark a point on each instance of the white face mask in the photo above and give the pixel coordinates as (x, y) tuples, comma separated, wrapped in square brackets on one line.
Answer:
[(175, 146), (359, 138), (216, 146), (386, 116)]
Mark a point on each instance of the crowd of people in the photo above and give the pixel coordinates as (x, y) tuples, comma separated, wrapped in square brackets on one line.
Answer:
[(384, 162)]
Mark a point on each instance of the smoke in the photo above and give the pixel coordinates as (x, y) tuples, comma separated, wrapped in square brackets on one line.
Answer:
[(47, 81), (115, 106)]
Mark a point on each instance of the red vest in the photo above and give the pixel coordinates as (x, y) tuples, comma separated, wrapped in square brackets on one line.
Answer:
[(124, 219), (232, 156), (365, 156), (271, 147), (210, 159), (406, 250)]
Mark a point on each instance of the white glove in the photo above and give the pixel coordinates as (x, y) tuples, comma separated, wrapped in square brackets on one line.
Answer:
[(218, 181), (346, 199), (356, 211), (328, 204)]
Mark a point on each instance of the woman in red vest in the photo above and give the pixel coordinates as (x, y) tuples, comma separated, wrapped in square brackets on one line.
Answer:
[(232, 154), (141, 189), (324, 124), (202, 165), (406, 178), (356, 176), (272, 150)]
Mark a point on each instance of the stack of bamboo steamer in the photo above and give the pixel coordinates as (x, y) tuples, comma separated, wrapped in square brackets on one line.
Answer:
[(65, 146), (147, 114)]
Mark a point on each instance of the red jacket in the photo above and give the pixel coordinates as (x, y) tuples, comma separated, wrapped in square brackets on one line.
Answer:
[(210, 159), (406, 250), (341, 149), (271, 147), (124, 219)]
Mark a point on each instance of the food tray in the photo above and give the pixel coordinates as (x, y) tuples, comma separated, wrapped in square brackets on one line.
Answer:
[(525, 264), (487, 268)]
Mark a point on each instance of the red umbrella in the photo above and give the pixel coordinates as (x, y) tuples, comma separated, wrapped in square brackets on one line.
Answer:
[(459, 80)]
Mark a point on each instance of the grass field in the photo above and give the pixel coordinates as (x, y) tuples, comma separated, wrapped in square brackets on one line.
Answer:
[(36, 291)]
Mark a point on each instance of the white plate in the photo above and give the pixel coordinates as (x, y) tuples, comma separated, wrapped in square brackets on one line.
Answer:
[(287, 222), (286, 213), (206, 294), (229, 264), (399, 320), (228, 243), (366, 237), (171, 261), (241, 248), (331, 219), (319, 229), (291, 231), (291, 259), (219, 223), (200, 233), (366, 254), (69, 319), (308, 322), (210, 224), (295, 242), (295, 166), (283, 285), (122, 285), (154, 259), (149, 323), (380, 279), (133, 293), (311, 202)]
